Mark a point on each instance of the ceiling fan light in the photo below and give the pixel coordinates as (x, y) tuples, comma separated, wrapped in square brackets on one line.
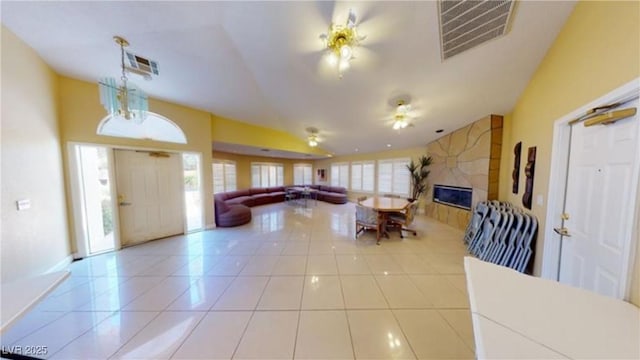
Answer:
[(340, 42), (332, 59), (345, 53), (344, 65)]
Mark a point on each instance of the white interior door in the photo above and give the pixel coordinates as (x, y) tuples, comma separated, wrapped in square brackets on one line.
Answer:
[(600, 201), (150, 195)]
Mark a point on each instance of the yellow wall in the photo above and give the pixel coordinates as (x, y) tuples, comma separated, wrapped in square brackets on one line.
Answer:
[(236, 132), (81, 112), (33, 240), (596, 51), (243, 167)]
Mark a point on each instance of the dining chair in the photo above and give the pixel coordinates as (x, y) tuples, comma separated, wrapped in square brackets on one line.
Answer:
[(367, 218), (403, 219)]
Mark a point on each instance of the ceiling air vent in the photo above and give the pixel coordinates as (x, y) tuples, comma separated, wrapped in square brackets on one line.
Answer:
[(466, 24), (141, 66)]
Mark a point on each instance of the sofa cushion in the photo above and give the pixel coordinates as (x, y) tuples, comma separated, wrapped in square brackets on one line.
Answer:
[(243, 200), (275, 189), (238, 193), (332, 197), (254, 191), (335, 189)]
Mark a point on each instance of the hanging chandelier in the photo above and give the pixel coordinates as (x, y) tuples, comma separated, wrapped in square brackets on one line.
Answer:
[(401, 116), (340, 42), (126, 100)]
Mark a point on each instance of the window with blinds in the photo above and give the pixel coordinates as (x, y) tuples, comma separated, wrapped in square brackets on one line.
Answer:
[(224, 176), (393, 177), (302, 174), (340, 174), (266, 175), (362, 175)]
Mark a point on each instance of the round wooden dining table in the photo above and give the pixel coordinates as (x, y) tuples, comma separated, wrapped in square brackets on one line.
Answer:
[(385, 205)]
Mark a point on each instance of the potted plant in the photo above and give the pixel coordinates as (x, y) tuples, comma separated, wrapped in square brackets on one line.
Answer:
[(419, 171)]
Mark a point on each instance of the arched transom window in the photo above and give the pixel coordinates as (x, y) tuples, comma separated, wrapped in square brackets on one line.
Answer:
[(154, 127)]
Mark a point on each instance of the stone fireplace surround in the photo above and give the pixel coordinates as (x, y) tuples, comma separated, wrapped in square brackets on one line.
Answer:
[(468, 157)]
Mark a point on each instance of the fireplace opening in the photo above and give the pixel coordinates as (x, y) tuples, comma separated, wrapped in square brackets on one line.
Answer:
[(455, 196)]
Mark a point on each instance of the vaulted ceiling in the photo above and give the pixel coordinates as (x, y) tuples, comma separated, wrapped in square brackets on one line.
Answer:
[(262, 62)]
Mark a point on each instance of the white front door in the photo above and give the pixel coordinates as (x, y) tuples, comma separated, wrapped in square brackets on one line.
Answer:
[(150, 195), (600, 201)]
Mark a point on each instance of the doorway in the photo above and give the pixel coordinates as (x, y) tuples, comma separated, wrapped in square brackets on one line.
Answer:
[(150, 196), (92, 193), (591, 234)]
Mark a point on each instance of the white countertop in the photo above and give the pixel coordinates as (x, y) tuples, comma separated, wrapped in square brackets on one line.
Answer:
[(519, 316), (19, 296)]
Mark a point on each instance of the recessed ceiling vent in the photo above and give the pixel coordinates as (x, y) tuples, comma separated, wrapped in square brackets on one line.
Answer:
[(465, 24), (141, 66)]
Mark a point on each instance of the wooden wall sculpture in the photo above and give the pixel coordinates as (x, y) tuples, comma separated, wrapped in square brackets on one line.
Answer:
[(529, 172), (515, 175)]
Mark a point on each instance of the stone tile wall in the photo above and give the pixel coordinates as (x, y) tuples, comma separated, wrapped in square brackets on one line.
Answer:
[(467, 157)]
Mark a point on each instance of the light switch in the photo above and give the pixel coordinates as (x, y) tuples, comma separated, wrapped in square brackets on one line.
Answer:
[(23, 204), (539, 200)]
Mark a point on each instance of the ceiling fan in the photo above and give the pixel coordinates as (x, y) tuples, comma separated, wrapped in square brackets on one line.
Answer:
[(402, 115), (340, 42)]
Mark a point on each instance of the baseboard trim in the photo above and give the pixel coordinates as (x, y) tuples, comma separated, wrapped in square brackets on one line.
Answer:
[(210, 226), (61, 265)]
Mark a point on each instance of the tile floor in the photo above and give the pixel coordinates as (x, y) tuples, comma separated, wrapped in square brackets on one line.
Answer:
[(294, 283)]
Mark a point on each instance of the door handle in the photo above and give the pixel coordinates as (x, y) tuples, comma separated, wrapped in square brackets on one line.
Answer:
[(562, 231), (124, 203)]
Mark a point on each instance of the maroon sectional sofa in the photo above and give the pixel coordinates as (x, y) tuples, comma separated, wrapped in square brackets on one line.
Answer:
[(233, 208), (331, 194)]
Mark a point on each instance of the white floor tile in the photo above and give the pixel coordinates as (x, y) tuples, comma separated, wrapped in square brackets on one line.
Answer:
[(296, 248), (28, 324), (440, 292), (161, 295), (166, 267), (383, 264), (260, 265), (271, 248), (413, 264), (401, 293), (460, 321), (321, 293), (216, 337), (62, 331), (230, 265), (352, 265), (282, 293), (198, 266), (161, 337), (202, 294), (323, 335), (362, 292), (290, 265), (243, 294), (107, 337), (430, 336), (377, 335), (117, 298), (269, 335), (321, 265)]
